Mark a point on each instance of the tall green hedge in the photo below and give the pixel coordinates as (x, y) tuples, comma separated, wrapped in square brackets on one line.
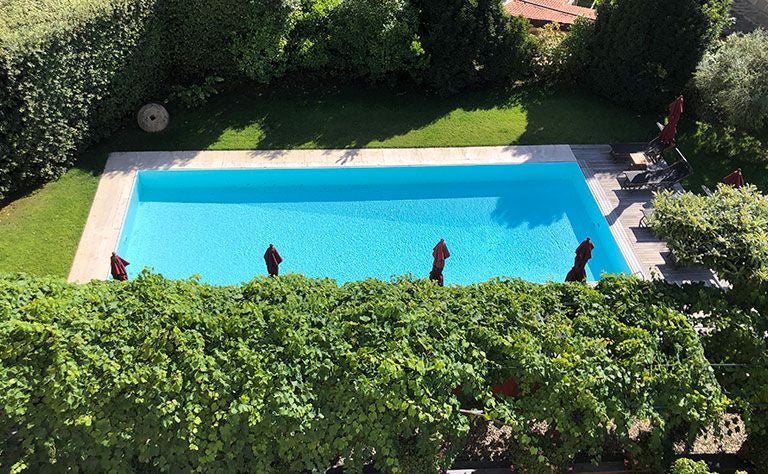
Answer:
[(472, 41), (643, 52), (72, 70), (69, 71), (286, 374)]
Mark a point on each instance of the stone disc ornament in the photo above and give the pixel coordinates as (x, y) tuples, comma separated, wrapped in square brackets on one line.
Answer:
[(152, 118)]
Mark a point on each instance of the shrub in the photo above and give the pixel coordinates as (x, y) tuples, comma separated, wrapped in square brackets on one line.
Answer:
[(375, 39), (727, 141), (735, 343), (69, 72), (229, 38), (732, 81), (688, 466), (197, 94), (287, 374), (642, 52), (552, 54), (72, 70), (727, 232), (467, 42)]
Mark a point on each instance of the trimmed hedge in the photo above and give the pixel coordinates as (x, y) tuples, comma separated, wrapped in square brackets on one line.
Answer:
[(72, 70), (287, 374), (69, 72)]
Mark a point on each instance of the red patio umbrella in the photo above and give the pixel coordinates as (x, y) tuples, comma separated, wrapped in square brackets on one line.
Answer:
[(735, 179), (669, 131), (439, 253), (583, 253), (273, 260), (117, 267)]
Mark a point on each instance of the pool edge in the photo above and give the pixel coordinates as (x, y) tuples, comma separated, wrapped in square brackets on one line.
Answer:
[(108, 210)]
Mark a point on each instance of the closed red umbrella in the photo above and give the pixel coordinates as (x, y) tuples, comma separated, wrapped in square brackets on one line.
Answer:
[(583, 253), (669, 131), (273, 260), (735, 179), (577, 273), (439, 253), (117, 267)]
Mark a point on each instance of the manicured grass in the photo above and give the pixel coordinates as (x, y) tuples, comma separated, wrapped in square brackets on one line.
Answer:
[(39, 233), (365, 117)]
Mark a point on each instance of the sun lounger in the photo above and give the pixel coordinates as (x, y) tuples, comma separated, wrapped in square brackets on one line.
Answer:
[(655, 179)]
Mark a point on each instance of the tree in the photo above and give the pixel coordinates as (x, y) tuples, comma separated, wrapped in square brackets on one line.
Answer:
[(471, 41), (727, 232), (733, 81), (642, 52)]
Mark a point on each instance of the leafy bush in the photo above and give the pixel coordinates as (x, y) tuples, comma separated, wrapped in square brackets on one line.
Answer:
[(727, 141), (732, 81), (549, 64), (467, 42), (197, 94), (229, 38), (642, 52), (727, 232), (375, 39), (69, 72), (286, 374), (688, 466), (72, 70), (735, 344)]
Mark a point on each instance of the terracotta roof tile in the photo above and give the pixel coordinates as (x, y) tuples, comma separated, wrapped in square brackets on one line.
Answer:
[(548, 10)]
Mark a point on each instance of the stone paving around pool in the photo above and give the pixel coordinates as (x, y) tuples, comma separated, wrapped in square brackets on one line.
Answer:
[(105, 220)]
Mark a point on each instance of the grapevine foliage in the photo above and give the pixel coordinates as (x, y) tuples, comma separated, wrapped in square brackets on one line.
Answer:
[(289, 374)]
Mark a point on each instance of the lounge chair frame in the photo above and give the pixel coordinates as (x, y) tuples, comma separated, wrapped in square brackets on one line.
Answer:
[(655, 179)]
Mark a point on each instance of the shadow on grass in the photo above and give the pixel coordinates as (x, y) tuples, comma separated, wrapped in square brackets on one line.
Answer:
[(709, 168), (571, 116), (357, 116)]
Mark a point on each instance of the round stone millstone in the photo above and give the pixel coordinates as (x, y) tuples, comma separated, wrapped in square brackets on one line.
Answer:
[(152, 118)]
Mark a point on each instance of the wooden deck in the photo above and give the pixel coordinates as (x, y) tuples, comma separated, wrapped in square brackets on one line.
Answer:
[(645, 253)]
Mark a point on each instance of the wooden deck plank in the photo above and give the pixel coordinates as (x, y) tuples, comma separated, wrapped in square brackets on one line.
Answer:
[(645, 253)]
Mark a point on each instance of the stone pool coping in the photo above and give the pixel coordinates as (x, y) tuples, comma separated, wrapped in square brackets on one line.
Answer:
[(110, 204)]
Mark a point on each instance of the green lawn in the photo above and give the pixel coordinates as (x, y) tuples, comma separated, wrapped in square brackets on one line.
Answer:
[(39, 233)]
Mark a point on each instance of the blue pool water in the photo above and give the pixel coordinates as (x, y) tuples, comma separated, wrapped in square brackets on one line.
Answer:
[(355, 223)]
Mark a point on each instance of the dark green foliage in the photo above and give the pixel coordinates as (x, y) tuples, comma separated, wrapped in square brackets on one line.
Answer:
[(730, 142), (196, 95), (68, 79), (229, 38), (470, 41), (642, 52), (375, 39), (286, 374), (71, 71)]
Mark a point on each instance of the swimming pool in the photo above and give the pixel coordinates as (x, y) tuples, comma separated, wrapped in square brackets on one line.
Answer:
[(520, 220)]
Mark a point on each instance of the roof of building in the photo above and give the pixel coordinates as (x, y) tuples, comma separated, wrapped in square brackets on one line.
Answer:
[(548, 10)]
